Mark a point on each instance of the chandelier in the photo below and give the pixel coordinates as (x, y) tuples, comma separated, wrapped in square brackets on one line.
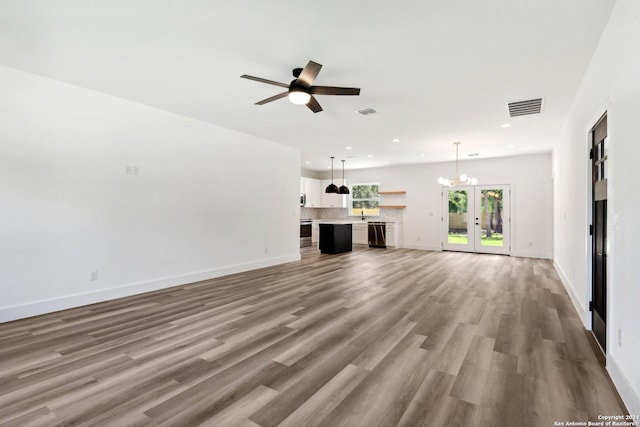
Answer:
[(459, 179)]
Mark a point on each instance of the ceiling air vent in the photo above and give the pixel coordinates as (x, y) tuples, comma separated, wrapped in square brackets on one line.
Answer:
[(366, 111), (523, 108)]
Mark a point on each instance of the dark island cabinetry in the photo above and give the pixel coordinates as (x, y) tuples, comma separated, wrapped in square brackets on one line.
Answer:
[(335, 238)]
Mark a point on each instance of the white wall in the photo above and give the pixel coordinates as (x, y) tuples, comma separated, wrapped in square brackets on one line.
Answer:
[(612, 84), (202, 205), (531, 198)]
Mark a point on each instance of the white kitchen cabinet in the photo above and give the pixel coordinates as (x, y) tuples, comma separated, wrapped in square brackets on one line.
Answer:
[(315, 232), (394, 234), (312, 191), (332, 200), (360, 234)]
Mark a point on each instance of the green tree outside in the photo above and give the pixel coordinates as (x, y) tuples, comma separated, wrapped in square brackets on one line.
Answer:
[(365, 199)]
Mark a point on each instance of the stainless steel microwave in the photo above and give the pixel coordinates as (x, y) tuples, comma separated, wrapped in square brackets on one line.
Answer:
[(303, 199)]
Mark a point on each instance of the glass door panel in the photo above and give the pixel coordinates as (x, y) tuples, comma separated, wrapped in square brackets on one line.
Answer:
[(492, 219), (457, 205)]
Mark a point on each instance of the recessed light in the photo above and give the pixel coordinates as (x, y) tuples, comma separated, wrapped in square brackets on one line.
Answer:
[(396, 139), (348, 147), (422, 155), (351, 157), (370, 156), (511, 146), (473, 154), (386, 163), (506, 125), (307, 162)]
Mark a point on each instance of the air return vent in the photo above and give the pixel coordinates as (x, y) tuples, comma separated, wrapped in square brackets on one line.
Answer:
[(523, 108), (366, 111)]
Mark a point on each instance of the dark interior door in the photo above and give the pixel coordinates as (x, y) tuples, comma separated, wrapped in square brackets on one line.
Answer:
[(599, 234)]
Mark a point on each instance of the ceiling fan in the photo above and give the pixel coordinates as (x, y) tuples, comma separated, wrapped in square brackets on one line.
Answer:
[(300, 90)]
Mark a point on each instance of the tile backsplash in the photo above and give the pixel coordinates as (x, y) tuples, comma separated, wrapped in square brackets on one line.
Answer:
[(342, 213)]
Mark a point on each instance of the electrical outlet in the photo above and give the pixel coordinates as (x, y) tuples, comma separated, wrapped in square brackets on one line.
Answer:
[(619, 337), (136, 170), (266, 250), (127, 170), (93, 275)]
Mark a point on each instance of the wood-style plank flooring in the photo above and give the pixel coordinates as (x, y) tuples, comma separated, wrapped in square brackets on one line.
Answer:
[(368, 338)]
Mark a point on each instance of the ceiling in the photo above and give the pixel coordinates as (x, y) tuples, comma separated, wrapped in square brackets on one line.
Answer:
[(437, 71)]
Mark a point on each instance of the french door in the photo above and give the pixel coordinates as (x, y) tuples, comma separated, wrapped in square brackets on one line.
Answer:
[(476, 219)]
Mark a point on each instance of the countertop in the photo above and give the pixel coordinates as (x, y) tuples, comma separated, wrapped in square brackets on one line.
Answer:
[(355, 220)]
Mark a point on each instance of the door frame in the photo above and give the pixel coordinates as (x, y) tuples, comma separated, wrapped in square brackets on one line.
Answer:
[(611, 339), (472, 206)]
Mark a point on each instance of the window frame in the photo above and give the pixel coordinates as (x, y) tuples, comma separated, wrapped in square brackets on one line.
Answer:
[(351, 199)]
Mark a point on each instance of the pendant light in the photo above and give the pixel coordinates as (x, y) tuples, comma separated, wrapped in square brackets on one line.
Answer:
[(331, 188), (459, 179), (343, 188)]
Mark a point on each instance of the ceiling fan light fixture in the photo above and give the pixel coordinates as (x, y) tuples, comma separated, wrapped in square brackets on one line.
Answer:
[(299, 97), (301, 90)]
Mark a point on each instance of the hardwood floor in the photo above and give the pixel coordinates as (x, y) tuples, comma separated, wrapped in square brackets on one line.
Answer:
[(371, 337)]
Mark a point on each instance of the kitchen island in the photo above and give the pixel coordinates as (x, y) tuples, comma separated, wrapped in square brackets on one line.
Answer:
[(335, 238)]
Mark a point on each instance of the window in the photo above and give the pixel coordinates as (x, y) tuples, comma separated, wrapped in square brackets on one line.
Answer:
[(364, 199)]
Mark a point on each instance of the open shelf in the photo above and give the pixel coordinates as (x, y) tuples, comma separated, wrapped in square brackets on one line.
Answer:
[(392, 193)]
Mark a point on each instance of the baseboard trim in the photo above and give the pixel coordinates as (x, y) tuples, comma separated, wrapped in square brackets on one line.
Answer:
[(531, 254), (422, 247), (577, 302), (629, 395), (36, 308), (524, 254)]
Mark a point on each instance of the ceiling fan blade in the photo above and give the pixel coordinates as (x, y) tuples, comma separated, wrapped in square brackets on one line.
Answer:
[(309, 74), (313, 105), (273, 98), (261, 80), (333, 90)]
